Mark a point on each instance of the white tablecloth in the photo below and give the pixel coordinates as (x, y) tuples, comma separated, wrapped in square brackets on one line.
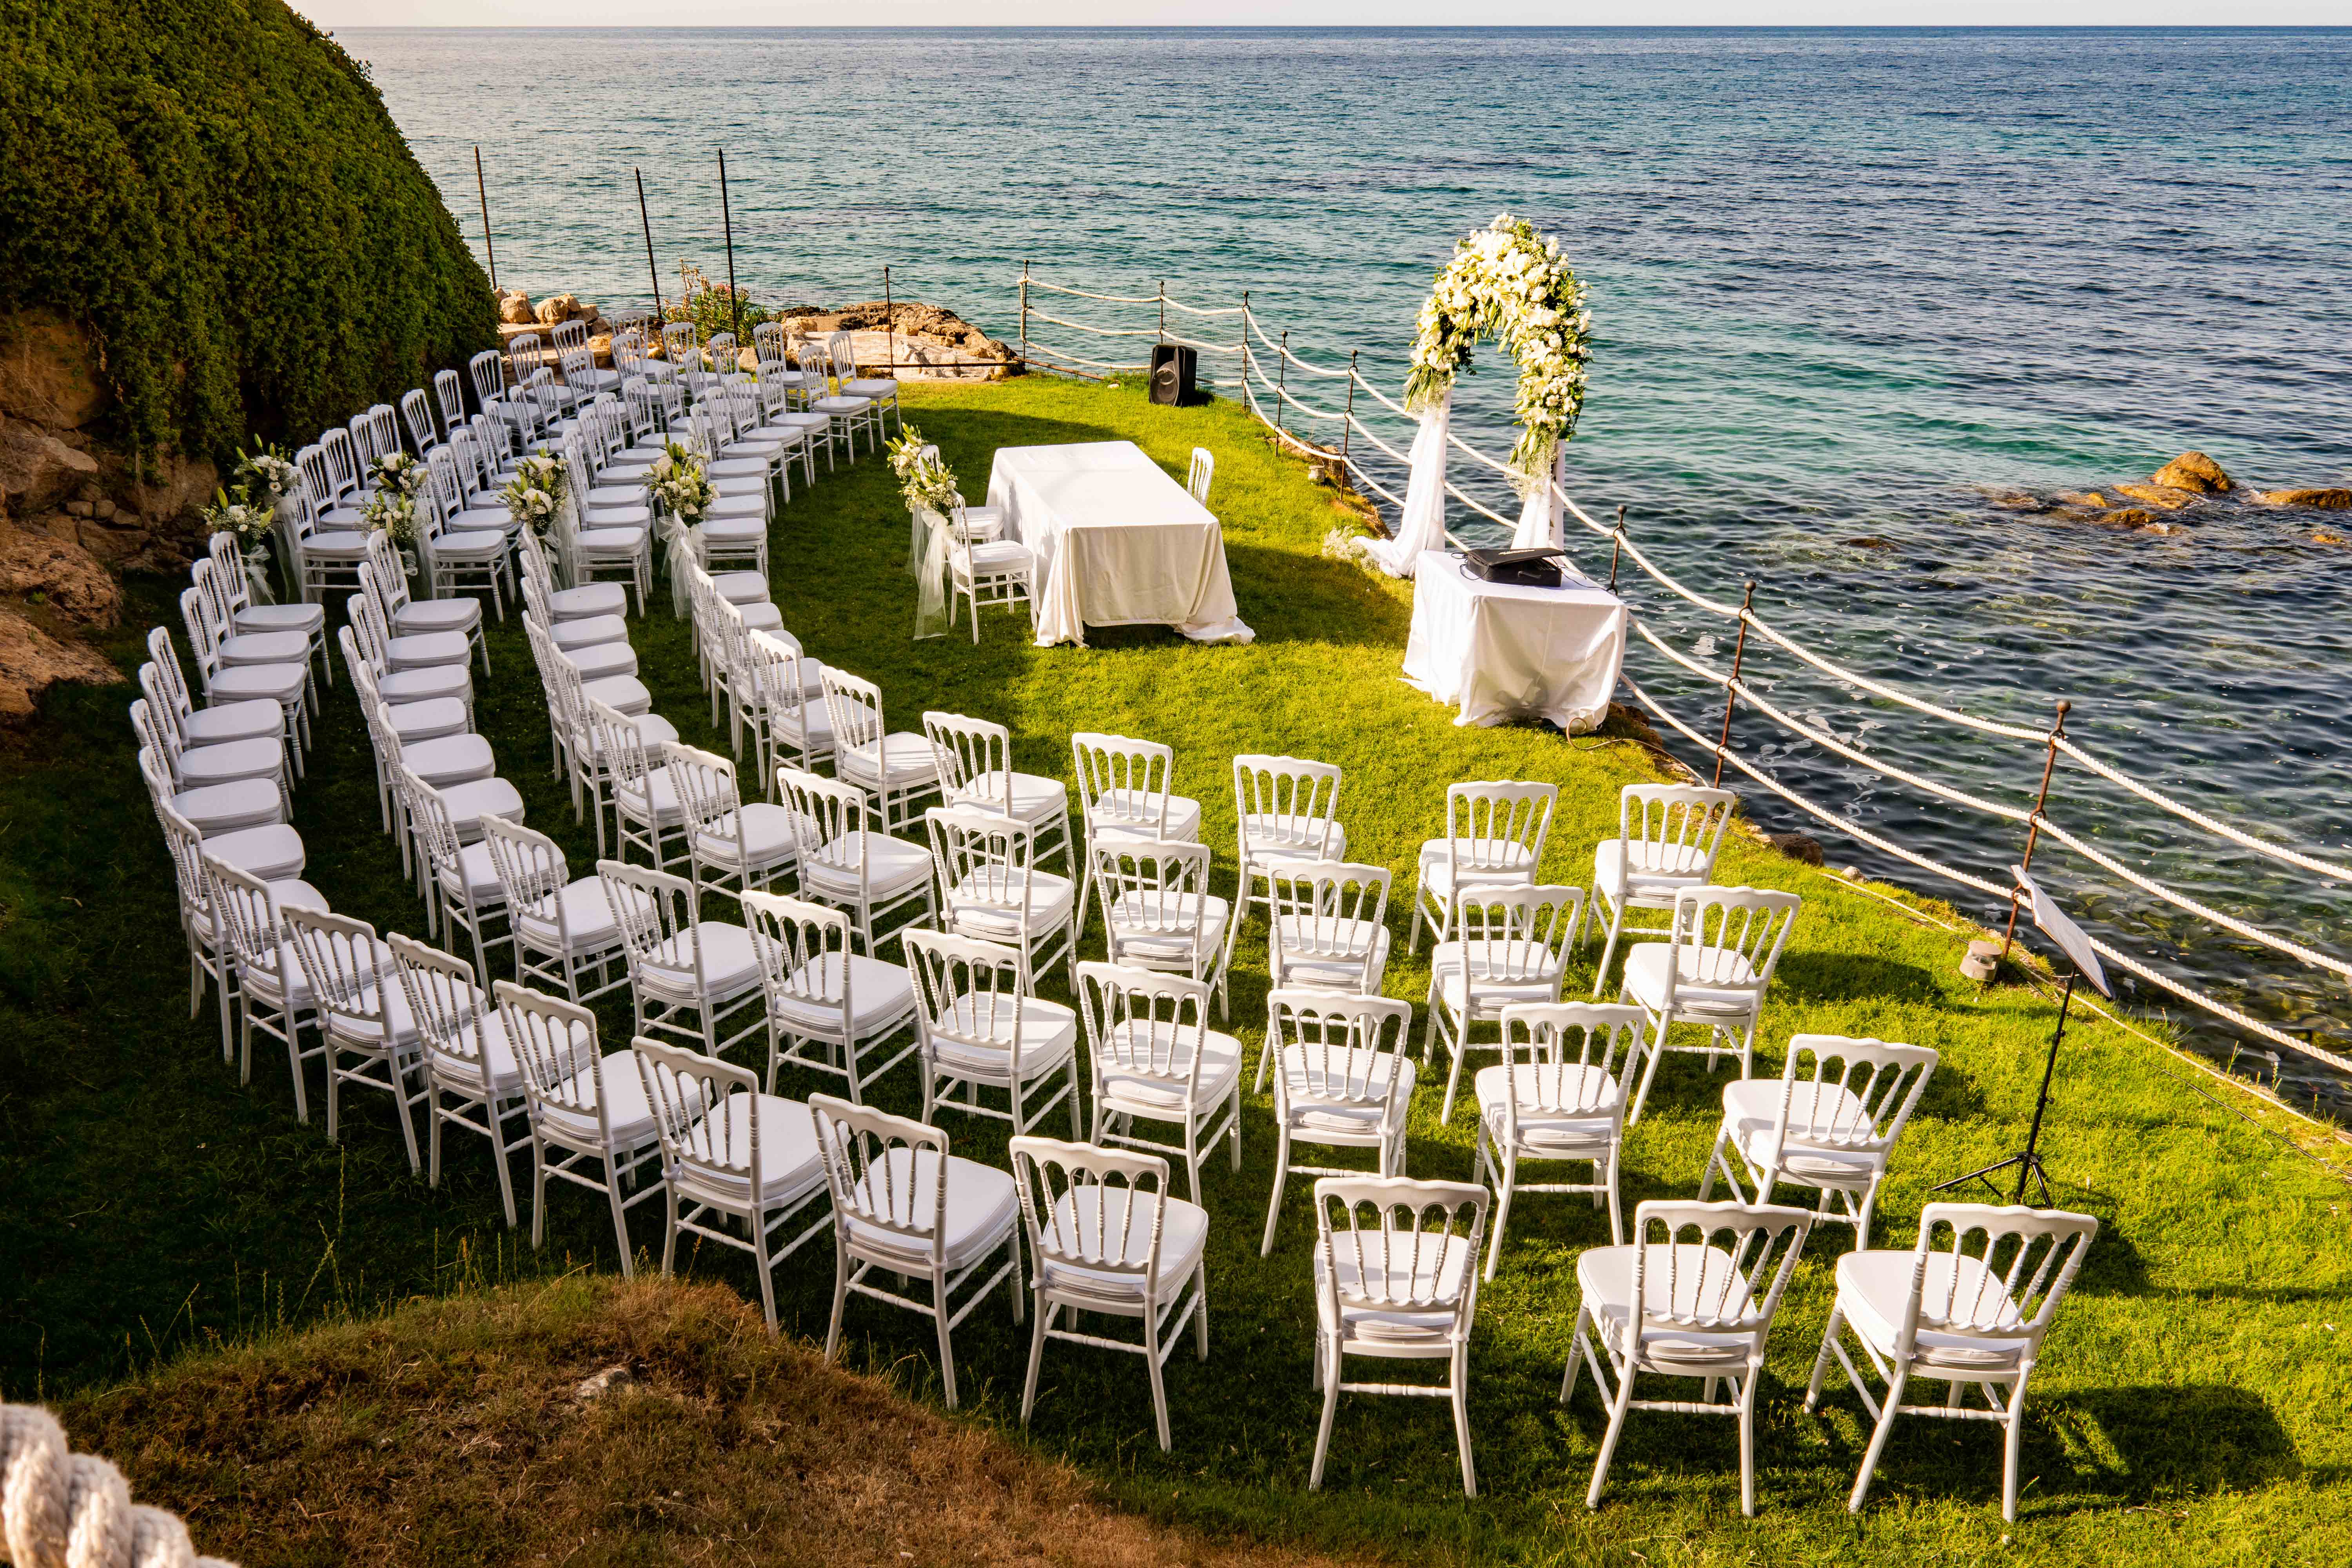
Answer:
[(1505, 652), (1119, 542)]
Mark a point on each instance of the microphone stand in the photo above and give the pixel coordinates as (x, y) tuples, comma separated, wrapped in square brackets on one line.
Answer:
[(2028, 1159)]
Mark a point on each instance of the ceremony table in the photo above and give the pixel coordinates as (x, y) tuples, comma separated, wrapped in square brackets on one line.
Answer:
[(1119, 542), (1500, 651)]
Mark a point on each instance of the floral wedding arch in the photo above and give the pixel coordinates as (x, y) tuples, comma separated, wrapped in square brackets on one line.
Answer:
[(1507, 283)]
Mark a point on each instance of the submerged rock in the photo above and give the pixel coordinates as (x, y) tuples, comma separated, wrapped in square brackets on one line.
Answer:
[(2193, 471), (2161, 496), (2083, 497), (2129, 517), (2325, 500)]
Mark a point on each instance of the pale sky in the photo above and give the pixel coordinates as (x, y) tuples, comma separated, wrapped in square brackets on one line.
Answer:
[(356, 13)]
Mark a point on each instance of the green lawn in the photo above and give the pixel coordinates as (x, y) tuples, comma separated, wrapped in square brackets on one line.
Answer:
[(2195, 1404)]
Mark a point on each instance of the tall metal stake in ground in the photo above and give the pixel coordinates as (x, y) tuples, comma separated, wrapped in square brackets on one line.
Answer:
[(727, 216), (1163, 310), (1348, 414), (1738, 652), (1282, 384), (646, 224), (483, 190), (2033, 823), (1025, 315), (890, 324), (1617, 548), (1249, 398)]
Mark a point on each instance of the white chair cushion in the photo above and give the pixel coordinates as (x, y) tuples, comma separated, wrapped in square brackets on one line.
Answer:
[(1101, 1228), (273, 852), (1829, 1136), (1269, 837), (278, 684), (1123, 816), (1487, 961), (1709, 979), (1035, 799), (1439, 1270), (419, 616), (988, 903), (229, 761), (606, 661), (1653, 871), (1698, 1277), (427, 649), (972, 1036), (891, 867), (308, 619), (761, 833), (626, 1113), (425, 683), (428, 720), (1346, 1090), (586, 913), (982, 1205), (626, 695), (265, 648), (880, 995), (1221, 1067), (729, 966), (228, 807), (789, 1165), (1873, 1286), (451, 760), (1564, 1105), (469, 803), (1478, 862), (1150, 930), (906, 759)]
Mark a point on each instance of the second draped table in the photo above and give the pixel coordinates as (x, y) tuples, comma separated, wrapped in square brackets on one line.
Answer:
[(1118, 542)]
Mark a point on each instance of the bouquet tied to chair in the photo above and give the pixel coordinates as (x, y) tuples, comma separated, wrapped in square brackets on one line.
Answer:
[(680, 484), (535, 494), (399, 479)]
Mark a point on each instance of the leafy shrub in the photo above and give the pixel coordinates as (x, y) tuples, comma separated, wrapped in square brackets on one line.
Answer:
[(712, 306), (215, 190)]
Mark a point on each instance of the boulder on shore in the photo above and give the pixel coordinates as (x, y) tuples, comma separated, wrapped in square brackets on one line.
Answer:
[(1801, 848), (514, 307), (67, 577), (2193, 471), (31, 661), (2324, 499)]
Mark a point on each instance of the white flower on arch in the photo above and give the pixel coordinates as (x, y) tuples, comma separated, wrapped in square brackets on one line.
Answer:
[(1508, 282)]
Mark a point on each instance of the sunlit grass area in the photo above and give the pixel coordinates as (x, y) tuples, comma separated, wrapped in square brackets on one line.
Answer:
[(2193, 1401)]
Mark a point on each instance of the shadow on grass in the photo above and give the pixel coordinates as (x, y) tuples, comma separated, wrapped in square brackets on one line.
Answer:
[(1849, 976), (2134, 1441)]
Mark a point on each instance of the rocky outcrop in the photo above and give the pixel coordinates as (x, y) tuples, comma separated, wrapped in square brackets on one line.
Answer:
[(1802, 847), (39, 468), (2323, 500), (928, 342), (48, 370), (59, 573), (31, 661), (514, 307), (2161, 496), (2193, 471)]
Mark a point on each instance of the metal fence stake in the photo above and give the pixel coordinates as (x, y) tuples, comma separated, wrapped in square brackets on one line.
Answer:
[(2033, 823), (1738, 653), (1025, 315), (1348, 414), (1282, 384), (661, 312), (1617, 549), (483, 190), (734, 299)]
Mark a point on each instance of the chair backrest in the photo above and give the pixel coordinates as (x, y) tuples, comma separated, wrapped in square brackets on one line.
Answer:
[(1154, 891), (627, 755), (828, 819), (648, 409), (768, 343), (1288, 803), (577, 365), (204, 632), (187, 847), (703, 1139), (364, 448), (429, 810), (1394, 1245), (156, 723), (1851, 1095), (571, 336), (726, 359), (339, 957), (223, 591), (1123, 781), (1095, 1216), (1515, 935), (488, 371), (1712, 1268), (1569, 1059), (377, 586), (678, 345), (855, 706), (312, 462), (229, 583), (775, 665), (449, 395), (629, 354), (246, 913), (418, 414), (1339, 1041), (803, 950), (654, 910), (975, 760), (1204, 470), (1728, 939), (1499, 825), (1672, 830), (453, 1014), (445, 483), (968, 993), (984, 863), (366, 623), (1145, 1021), (554, 1045), (531, 870), (706, 788), (887, 1172), (497, 444), (1320, 906), (170, 678), (841, 348), (1991, 1272), (344, 466)]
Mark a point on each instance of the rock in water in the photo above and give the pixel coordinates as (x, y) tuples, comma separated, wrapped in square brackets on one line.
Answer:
[(1799, 847), (2164, 498), (2193, 471), (2325, 500)]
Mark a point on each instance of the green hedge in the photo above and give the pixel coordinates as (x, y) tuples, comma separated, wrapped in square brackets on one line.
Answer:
[(214, 189)]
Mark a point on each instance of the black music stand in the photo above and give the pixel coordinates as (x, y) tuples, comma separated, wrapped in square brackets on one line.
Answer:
[(2072, 940)]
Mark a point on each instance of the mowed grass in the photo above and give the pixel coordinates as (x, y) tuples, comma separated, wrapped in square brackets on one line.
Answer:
[(2192, 1406)]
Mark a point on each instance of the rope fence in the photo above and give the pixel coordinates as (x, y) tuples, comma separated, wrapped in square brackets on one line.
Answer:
[(1266, 362), (63, 1510)]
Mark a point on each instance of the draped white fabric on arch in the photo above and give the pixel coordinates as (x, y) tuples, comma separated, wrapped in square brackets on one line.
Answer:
[(1543, 520), (1421, 526)]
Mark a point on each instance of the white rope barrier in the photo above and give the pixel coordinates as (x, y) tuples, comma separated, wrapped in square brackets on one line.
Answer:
[(1100, 331), (1175, 304), (1852, 681), (1040, 357), (1082, 294), (63, 1510), (1205, 348)]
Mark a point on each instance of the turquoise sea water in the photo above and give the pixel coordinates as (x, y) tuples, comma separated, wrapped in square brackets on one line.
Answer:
[(1847, 283)]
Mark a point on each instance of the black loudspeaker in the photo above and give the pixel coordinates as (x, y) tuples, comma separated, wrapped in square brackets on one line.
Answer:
[(1174, 368), (1522, 568)]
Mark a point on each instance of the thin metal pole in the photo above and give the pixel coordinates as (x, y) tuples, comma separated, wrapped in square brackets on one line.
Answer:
[(1282, 383), (1738, 653), (889, 322), (1025, 315), (2030, 1164), (1163, 310), (1617, 549), (2033, 823), (483, 190), (1249, 398), (1348, 414), (733, 299), (661, 311)]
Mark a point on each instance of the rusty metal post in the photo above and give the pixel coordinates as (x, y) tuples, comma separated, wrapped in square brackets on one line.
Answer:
[(1025, 315), (1163, 310), (1249, 398), (1282, 383), (661, 312), (889, 322), (483, 190), (1738, 654), (1617, 548), (1348, 414), (734, 300), (2034, 823)]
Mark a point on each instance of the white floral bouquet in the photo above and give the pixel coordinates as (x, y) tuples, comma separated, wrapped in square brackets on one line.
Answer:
[(536, 492), (1507, 281), (398, 472), (679, 485), (265, 476), (926, 481), (248, 522), (393, 510)]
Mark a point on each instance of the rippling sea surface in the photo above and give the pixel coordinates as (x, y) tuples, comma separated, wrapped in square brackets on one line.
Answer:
[(1850, 286)]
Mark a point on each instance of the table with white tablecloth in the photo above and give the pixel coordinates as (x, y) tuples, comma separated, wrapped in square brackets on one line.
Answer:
[(1501, 651), (1118, 542)]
